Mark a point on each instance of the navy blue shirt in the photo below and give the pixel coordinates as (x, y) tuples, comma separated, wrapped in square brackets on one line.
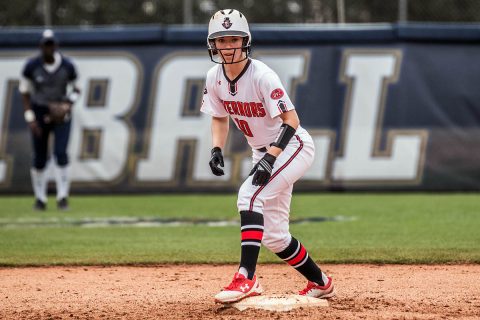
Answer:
[(48, 86)]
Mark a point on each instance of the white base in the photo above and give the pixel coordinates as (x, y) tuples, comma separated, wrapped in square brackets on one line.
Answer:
[(279, 303)]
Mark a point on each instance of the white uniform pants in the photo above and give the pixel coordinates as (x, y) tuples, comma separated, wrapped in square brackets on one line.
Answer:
[(273, 199)]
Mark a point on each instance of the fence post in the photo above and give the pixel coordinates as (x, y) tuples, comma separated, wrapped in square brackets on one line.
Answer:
[(47, 13), (402, 10), (340, 11), (187, 12)]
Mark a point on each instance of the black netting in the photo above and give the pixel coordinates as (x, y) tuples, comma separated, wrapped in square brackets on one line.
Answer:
[(104, 12)]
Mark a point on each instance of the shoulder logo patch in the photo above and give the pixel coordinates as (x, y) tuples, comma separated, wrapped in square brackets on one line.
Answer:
[(276, 94)]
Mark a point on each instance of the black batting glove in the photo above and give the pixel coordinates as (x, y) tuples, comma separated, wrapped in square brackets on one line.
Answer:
[(215, 161), (263, 170)]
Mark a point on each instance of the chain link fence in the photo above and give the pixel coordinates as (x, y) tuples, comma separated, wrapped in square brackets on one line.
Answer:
[(110, 12)]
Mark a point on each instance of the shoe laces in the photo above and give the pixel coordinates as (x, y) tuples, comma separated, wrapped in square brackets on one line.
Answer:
[(310, 286), (235, 282)]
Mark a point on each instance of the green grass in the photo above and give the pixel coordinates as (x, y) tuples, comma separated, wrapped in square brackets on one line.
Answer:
[(385, 228)]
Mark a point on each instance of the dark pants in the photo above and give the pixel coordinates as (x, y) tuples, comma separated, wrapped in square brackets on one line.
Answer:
[(61, 133)]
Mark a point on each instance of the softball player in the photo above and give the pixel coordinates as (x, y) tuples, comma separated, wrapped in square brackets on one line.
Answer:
[(48, 90), (250, 93)]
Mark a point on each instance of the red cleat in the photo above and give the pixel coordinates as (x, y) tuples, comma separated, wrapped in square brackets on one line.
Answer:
[(316, 291), (238, 289)]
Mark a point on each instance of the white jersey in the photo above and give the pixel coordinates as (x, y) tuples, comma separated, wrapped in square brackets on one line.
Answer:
[(253, 100)]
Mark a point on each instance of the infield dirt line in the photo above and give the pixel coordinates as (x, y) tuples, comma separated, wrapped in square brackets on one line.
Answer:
[(186, 292)]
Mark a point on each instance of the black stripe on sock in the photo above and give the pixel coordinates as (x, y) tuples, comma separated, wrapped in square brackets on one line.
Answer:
[(251, 218), (292, 247)]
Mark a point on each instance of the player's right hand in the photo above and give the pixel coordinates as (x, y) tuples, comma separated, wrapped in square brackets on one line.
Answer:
[(35, 128), (215, 161)]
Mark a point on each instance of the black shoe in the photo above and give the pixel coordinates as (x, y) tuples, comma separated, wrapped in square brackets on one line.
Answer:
[(39, 205), (62, 204)]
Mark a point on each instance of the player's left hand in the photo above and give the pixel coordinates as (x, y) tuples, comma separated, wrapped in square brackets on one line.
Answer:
[(263, 170)]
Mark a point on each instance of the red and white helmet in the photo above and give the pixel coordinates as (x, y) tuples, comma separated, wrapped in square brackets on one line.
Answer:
[(228, 22)]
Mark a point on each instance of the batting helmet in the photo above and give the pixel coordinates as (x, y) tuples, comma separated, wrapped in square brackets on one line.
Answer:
[(224, 23)]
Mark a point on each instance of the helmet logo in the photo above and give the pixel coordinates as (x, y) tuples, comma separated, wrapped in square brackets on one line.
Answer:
[(226, 23)]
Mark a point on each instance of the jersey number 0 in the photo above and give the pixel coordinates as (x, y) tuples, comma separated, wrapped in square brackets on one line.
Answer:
[(243, 125)]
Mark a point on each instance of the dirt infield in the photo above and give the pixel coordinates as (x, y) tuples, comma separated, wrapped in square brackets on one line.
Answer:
[(185, 292)]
